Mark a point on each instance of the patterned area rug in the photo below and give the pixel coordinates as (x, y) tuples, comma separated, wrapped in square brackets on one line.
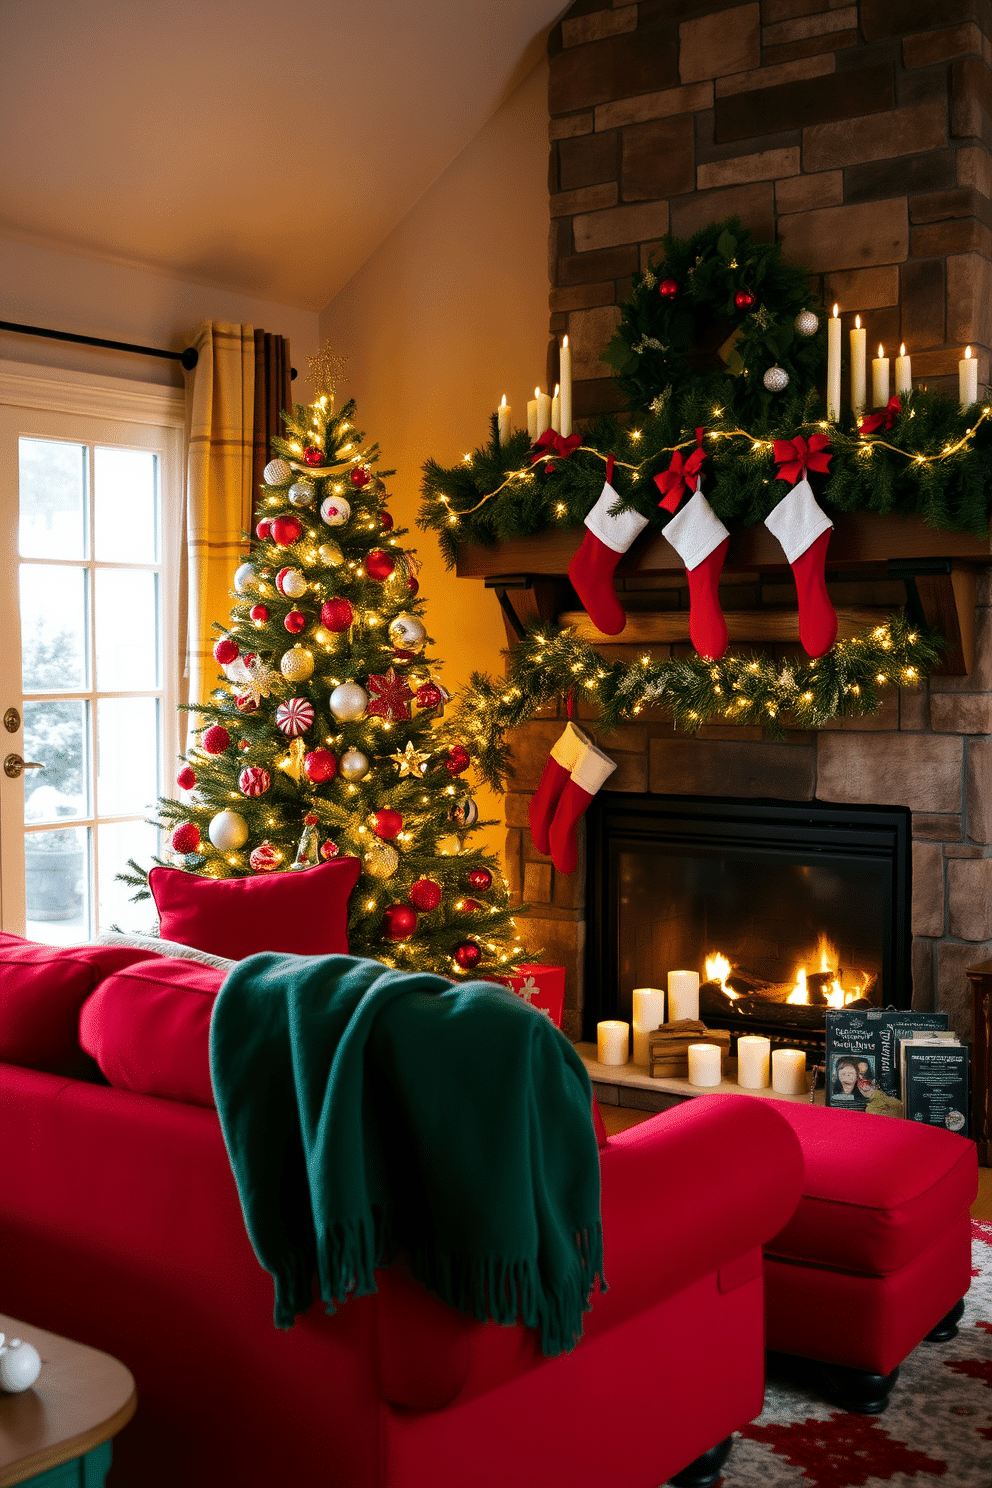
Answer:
[(936, 1430)]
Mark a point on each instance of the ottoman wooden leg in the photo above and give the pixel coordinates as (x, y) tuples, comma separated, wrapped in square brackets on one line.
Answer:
[(705, 1471), (856, 1390), (947, 1328)]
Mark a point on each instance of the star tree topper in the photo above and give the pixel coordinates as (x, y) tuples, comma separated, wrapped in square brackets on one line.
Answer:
[(326, 371), (390, 697), (410, 761)]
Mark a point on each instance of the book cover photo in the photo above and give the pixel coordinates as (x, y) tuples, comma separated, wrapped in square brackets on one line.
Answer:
[(936, 1085)]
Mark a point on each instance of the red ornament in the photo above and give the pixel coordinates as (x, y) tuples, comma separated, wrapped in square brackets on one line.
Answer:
[(412, 584), (399, 921), (329, 849), (668, 289), (425, 894), (379, 565), (481, 879), (385, 521), (249, 658), (263, 529), (259, 613), (428, 696), (360, 476), (402, 658), (468, 955), (186, 838), (286, 530), (225, 651), (185, 779), (295, 621), (294, 717), (743, 299), (264, 858), (336, 614), (470, 906), (216, 739), (312, 455), (244, 745), (389, 697), (254, 781), (387, 824), (320, 765), (245, 703), (458, 759)]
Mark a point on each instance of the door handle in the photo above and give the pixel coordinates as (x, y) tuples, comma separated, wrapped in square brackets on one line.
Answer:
[(13, 765)]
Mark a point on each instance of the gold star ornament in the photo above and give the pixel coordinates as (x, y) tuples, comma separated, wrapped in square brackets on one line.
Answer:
[(410, 761), (326, 371)]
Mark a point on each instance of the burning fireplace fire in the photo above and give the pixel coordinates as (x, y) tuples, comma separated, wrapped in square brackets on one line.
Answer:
[(827, 985)]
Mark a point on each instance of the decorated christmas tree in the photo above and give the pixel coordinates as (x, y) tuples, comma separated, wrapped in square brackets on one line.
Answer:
[(327, 733)]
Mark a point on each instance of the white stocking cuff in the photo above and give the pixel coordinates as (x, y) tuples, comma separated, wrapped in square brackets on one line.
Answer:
[(695, 531), (592, 769), (614, 532), (797, 521), (568, 750)]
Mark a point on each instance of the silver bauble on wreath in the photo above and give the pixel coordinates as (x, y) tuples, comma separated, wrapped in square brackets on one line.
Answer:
[(245, 578), (407, 632), (348, 702), (381, 860), (302, 493), (776, 379), (354, 765), (807, 324), (277, 472), (297, 665), (330, 554), (228, 831)]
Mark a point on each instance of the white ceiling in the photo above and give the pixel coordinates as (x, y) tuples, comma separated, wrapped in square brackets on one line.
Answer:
[(265, 147)]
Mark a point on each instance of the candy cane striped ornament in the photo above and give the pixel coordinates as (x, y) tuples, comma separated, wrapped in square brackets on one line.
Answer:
[(254, 781), (294, 717)]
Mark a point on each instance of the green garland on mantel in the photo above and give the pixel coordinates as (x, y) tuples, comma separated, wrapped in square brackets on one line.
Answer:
[(549, 664)]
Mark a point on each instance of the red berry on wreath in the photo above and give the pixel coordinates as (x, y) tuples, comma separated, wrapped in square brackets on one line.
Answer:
[(286, 530), (379, 565), (329, 849), (259, 613), (458, 759), (263, 529), (481, 879), (185, 779), (743, 299), (216, 739), (385, 521), (668, 289), (470, 906), (399, 921), (387, 824), (225, 651), (295, 621), (186, 838), (320, 765), (468, 955), (425, 894), (312, 455), (360, 476), (336, 614)]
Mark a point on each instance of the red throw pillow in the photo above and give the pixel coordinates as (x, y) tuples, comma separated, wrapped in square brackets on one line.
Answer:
[(42, 988), (148, 1028), (304, 913)]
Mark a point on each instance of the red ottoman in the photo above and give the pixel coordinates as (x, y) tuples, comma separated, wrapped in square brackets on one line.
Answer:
[(878, 1254)]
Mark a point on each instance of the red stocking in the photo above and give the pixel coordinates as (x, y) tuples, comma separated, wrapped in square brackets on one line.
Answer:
[(803, 529), (588, 775), (701, 540), (565, 754), (591, 570)]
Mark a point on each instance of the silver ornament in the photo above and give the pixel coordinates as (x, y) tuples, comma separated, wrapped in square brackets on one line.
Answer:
[(228, 831), (381, 860), (245, 578), (335, 511), (407, 632), (354, 765), (807, 324), (302, 493), (290, 581), (277, 472), (297, 665), (330, 555), (20, 1365), (348, 702), (464, 813), (776, 379)]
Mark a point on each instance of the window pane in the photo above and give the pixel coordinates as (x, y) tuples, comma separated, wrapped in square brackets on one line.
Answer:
[(124, 505), (52, 499), (120, 841), (55, 733), (126, 630), (127, 755), (53, 628), (56, 876)]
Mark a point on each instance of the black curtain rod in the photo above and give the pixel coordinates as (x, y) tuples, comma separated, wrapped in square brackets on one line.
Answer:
[(189, 357)]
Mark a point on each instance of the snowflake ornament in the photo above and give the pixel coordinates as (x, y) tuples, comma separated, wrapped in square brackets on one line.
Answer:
[(260, 682), (389, 697)]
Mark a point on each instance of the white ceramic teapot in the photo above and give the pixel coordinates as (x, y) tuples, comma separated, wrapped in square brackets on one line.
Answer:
[(20, 1365)]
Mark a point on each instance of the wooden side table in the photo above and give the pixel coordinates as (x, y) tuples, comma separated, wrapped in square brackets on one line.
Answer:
[(57, 1434), (981, 1059)]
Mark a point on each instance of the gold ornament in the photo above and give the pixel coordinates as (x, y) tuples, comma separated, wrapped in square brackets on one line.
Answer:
[(292, 765), (330, 554), (297, 665), (410, 761), (448, 847), (381, 860), (354, 765), (326, 371)]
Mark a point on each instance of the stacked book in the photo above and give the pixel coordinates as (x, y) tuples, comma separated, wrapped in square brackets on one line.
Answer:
[(897, 1063), (668, 1047)]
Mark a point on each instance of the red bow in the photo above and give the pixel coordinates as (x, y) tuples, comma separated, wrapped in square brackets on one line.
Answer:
[(884, 420), (551, 443), (681, 473), (796, 456)]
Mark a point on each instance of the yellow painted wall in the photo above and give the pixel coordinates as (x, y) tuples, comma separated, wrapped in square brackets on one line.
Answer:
[(449, 313)]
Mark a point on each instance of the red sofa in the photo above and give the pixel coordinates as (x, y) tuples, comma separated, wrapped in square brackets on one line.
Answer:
[(120, 1226)]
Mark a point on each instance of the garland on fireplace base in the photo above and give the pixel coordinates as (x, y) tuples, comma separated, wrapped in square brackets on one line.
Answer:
[(549, 664)]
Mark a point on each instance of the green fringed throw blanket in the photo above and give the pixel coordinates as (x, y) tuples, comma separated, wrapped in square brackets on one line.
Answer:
[(368, 1111)]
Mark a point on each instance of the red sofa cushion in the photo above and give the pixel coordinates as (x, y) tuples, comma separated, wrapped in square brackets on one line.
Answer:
[(148, 1028), (42, 988), (305, 913), (877, 1191)]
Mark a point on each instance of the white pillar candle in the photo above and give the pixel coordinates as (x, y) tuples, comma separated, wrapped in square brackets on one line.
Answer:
[(752, 1061), (789, 1071), (556, 409), (968, 378), (612, 1041), (565, 378), (859, 366), (880, 379), (503, 415), (904, 372), (704, 1064), (543, 411), (683, 995), (833, 366), (532, 416), (649, 1014)]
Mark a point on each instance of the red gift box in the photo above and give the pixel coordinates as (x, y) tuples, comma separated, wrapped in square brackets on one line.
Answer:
[(542, 986)]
